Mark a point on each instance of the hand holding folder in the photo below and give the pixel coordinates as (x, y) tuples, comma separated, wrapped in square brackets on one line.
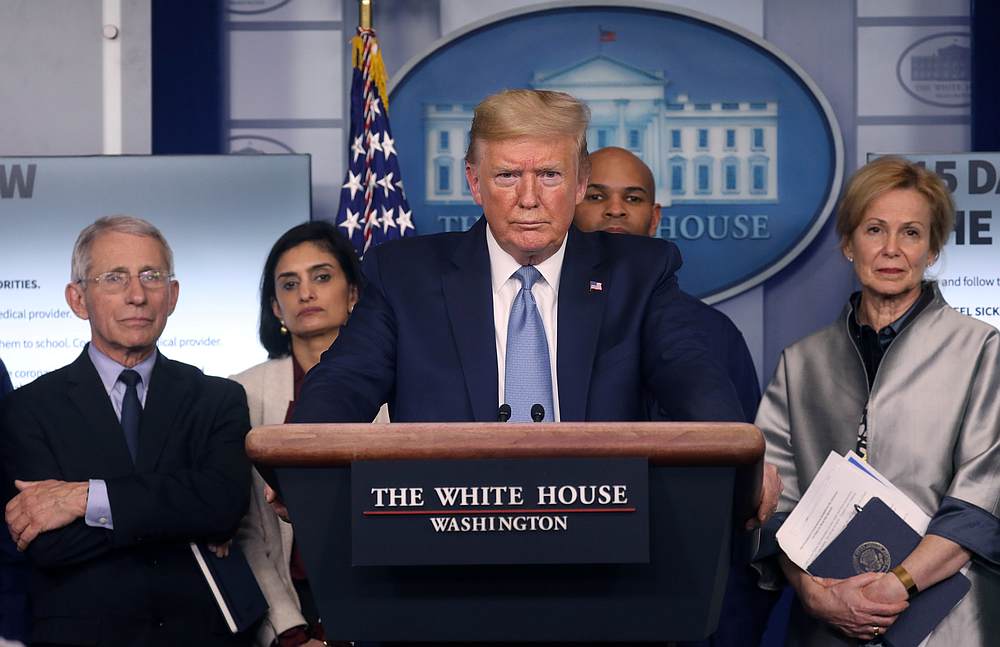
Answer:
[(877, 540)]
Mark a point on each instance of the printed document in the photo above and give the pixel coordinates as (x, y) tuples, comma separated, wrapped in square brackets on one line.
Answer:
[(842, 486)]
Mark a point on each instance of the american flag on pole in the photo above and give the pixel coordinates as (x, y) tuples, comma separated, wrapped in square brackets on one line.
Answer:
[(373, 206)]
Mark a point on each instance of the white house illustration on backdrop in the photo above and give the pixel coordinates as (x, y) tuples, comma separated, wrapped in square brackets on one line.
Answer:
[(700, 152)]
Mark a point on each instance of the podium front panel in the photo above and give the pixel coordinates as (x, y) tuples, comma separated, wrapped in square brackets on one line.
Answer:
[(676, 596)]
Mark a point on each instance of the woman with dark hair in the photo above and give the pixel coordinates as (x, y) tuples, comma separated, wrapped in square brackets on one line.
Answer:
[(911, 385), (309, 286), (316, 263)]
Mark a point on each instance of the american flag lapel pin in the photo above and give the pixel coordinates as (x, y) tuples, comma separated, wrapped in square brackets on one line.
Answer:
[(596, 286)]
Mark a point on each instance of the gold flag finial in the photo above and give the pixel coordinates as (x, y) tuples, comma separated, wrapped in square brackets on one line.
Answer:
[(365, 14)]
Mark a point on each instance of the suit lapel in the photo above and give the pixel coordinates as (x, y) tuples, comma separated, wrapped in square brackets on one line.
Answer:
[(581, 310), (103, 436), (468, 296), (165, 399)]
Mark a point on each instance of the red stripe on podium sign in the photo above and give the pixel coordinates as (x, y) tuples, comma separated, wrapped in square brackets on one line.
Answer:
[(389, 513)]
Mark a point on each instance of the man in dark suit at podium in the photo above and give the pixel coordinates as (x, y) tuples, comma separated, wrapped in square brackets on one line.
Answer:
[(121, 459), (523, 308)]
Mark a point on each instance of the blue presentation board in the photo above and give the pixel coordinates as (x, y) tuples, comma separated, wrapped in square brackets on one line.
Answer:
[(220, 214)]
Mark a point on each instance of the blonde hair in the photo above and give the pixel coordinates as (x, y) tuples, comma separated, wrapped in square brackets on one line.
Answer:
[(885, 174), (529, 113)]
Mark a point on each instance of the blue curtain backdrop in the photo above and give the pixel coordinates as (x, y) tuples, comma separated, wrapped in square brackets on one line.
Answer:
[(189, 77), (985, 86)]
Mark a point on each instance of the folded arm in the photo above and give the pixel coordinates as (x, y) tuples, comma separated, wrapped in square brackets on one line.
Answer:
[(41, 509), (204, 499), (41, 506)]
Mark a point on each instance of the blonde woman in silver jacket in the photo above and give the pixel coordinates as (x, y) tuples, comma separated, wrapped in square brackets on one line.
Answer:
[(309, 286), (912, 385)]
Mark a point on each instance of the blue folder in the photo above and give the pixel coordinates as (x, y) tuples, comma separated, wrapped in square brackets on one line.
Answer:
[(233, 585), (877, 539)]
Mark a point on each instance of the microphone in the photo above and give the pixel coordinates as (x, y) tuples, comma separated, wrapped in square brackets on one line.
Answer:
[(537, 412), (503, 414)]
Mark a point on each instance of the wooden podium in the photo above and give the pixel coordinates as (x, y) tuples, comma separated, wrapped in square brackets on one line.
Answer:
[(703, 479)]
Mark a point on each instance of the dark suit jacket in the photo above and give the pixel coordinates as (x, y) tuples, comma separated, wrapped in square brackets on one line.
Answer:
[(13, 570), (730, 351), (139, 583), (5, 385), (422, 337)]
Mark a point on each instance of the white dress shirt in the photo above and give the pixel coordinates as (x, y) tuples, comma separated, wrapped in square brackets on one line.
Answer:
[(546, 294)]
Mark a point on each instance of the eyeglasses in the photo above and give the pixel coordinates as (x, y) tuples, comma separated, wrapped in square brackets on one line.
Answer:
[(117, 281)]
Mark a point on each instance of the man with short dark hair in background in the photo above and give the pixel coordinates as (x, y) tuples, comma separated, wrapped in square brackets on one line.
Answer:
[(621, 198), (119, 460)]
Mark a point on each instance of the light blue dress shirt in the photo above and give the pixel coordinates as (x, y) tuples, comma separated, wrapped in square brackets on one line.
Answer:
[(98, 505)]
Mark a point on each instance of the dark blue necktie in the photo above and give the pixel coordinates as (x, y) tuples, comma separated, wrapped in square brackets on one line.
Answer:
[(131, 410), (527, 374)]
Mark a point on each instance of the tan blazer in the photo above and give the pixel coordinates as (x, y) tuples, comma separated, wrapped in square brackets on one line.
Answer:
[(265, 539)]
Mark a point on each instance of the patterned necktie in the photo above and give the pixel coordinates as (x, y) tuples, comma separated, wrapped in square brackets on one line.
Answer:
[(527, 375), (131, 410)]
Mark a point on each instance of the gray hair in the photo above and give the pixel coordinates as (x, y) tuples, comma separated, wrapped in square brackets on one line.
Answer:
[(122, 224)]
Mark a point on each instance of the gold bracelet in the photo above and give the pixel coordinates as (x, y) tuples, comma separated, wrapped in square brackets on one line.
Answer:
[(906, 580)]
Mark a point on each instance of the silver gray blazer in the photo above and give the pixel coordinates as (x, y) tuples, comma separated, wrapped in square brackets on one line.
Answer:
[(933, 430)]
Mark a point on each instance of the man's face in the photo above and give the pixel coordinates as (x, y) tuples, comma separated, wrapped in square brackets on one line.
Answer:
[(124, 325), (619, 196), (527, 188)]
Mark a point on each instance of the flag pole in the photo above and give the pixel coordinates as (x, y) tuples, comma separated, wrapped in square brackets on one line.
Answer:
[(365, 14)]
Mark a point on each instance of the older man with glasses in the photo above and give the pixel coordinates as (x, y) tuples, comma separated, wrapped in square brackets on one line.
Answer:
[(122, 458)]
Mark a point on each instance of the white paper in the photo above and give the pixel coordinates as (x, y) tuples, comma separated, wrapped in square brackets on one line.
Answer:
[(910, 512), (842, 483)]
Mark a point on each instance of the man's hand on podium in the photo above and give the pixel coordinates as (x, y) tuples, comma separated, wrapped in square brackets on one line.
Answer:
[(769, 492), (276, 504)]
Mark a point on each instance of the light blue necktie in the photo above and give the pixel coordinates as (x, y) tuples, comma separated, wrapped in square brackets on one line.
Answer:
[(527, 376)]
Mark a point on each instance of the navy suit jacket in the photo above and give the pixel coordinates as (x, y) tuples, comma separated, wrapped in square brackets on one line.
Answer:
[(139, 583), (5, 385), (730, 351), (13, 574), (422, 337)]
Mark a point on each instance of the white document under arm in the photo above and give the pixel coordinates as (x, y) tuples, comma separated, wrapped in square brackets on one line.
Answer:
[(901, 504), (829, 503)]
